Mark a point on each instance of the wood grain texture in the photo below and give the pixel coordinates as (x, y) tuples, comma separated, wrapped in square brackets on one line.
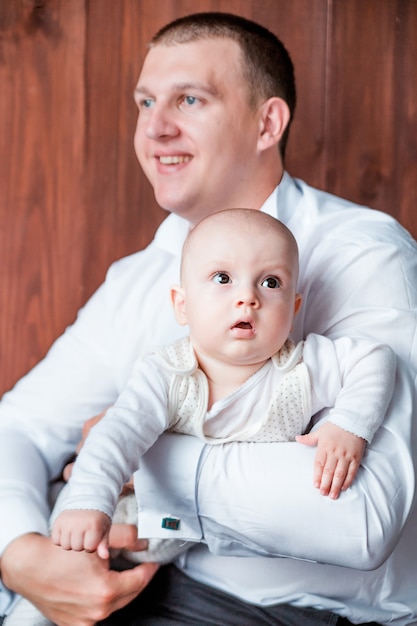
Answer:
[(72, 196), (371, 122), (41, 163)]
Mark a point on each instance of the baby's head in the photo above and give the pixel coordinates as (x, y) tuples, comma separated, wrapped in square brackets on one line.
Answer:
[(239, 274)]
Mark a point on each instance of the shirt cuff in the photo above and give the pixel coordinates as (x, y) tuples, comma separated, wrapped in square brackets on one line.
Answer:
[(165, 510)]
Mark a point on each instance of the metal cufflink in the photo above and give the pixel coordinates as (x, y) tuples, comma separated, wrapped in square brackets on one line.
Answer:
[(171, 523)]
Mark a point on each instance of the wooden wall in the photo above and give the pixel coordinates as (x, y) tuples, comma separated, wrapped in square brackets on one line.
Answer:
[(72, 197)]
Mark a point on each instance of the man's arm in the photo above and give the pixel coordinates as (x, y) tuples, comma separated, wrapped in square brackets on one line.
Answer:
[(40, 424), (270, 512), (41, 420), (78, 589), (81, 375)]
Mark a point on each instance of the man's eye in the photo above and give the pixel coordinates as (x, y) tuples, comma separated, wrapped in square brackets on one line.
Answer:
[(221, 278), (146, 103), (190, 100), (271, 282)]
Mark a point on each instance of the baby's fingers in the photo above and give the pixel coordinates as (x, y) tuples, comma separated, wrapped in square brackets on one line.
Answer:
[(337, 477), (321, 469), (68, 539), (103, 549), (90, 540), (329, 474), (350, 474)]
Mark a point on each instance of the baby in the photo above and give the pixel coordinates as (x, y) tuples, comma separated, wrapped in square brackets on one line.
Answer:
[(237, 376)]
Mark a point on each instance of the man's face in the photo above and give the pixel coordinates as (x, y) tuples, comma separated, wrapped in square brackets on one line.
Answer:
[(196, 136)]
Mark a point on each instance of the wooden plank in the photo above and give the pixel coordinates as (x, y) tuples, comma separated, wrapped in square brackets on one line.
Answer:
[(302, 27), (371, 121), (41, 143), (122, 215), (404, 174)]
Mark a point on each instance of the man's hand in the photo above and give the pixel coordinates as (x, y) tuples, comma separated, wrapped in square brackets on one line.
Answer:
[(337, 460), (70, 588)]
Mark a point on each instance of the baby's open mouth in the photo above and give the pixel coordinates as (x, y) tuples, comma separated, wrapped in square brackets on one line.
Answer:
[(244, 325)]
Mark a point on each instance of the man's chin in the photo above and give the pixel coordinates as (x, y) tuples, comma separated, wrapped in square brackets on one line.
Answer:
[(178, 206), (169, 202)]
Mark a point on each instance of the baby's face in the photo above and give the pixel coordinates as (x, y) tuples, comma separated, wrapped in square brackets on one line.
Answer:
[(239, 280)]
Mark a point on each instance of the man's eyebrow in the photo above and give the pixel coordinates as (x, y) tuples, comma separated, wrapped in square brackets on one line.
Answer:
[(142, 90)]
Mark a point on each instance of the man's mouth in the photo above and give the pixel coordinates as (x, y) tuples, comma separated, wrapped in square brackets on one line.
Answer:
[(174, 159)]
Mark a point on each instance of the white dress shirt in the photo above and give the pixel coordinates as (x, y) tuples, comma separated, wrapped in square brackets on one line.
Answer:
[(357, 555)]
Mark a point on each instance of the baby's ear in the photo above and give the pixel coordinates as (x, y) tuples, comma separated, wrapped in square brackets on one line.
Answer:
[(297, 302), (178, 303)]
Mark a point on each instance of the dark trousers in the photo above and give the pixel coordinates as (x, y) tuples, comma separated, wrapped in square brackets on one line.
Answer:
[(173, 598)]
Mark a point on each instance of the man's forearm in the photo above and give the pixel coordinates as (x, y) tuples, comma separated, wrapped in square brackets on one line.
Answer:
[(259, 499), (23, 488)]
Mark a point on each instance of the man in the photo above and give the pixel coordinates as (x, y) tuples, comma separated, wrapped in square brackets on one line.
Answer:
[(216, 97)]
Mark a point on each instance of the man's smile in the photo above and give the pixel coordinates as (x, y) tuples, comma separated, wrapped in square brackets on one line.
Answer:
[(173, 159)]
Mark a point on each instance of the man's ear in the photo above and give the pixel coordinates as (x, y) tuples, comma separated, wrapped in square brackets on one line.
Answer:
[(274, 119), (178, 302)]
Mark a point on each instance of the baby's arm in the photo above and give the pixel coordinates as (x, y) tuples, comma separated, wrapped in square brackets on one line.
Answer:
[(356, 378), (86, 529), (121, 434), (337, 459)]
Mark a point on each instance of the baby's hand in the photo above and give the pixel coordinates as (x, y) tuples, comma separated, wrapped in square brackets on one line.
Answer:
[(88, 530), (338, 458)]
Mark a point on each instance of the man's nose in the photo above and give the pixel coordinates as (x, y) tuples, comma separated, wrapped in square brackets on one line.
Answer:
[(161, 123)]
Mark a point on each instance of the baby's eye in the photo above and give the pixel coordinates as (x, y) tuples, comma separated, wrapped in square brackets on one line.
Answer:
[(221, 278), (271, 282)]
